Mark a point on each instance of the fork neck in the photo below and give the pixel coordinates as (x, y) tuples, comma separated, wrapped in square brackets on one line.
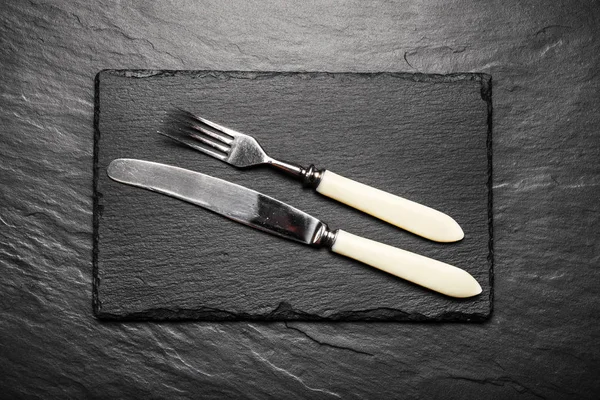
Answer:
[(310, 177)]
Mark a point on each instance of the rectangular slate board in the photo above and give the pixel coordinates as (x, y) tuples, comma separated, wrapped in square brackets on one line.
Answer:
[(423, 137)]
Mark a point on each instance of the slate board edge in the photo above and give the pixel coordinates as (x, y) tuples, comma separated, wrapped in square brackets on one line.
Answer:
[(284, 311), (96, 306), (484, 78), (486, 95)]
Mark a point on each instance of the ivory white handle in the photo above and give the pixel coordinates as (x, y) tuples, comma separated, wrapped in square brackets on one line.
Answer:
[(435, 275), (416, 218)]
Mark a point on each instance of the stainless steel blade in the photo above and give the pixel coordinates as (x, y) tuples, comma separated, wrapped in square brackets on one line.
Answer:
[(228, 199)]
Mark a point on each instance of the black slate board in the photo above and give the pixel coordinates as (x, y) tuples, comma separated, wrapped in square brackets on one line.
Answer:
[(424, 137)]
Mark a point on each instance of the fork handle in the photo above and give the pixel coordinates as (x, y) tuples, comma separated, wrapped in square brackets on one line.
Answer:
[(432, 274), (416, 218)]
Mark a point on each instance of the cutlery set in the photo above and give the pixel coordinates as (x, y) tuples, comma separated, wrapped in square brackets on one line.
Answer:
[(271, 215)]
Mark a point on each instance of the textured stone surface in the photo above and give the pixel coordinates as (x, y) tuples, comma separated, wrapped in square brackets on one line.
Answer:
[(541, 339), (423, 137)]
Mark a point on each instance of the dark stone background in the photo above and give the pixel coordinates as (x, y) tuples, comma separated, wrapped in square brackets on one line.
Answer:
[(425, 137), (542, 340)]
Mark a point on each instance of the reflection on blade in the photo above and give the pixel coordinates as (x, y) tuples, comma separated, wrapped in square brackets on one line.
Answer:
[(228, 199)]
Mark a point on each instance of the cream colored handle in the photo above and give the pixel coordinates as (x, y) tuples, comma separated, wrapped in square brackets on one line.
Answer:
[(435, 275), (416, 218)]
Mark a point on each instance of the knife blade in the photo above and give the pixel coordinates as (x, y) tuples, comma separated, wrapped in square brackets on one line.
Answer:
[(270, 215)]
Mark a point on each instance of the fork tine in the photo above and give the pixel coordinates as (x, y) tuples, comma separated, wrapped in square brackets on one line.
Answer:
[(220, 128), (205, 126), (224, 148), (193, 143), (209, 132), (210, 152)]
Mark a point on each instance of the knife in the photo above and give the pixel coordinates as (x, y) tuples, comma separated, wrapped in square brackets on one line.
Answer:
[(270, 215)]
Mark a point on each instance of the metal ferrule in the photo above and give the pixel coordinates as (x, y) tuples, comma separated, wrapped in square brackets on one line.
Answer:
[(310, 177), (324, 237)]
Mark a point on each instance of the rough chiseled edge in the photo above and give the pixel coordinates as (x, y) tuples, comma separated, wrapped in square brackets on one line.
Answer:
[(96, 307), (284, 311), (486, 95), (483, 78)]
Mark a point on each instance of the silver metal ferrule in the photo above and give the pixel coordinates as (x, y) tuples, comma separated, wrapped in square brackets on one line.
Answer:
[(324, 237), (310, 177)]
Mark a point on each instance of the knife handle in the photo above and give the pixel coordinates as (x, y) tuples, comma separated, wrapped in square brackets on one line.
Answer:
[(416, 218), (435, 275)]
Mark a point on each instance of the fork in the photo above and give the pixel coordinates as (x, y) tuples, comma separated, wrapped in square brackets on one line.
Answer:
[(241, 150)]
